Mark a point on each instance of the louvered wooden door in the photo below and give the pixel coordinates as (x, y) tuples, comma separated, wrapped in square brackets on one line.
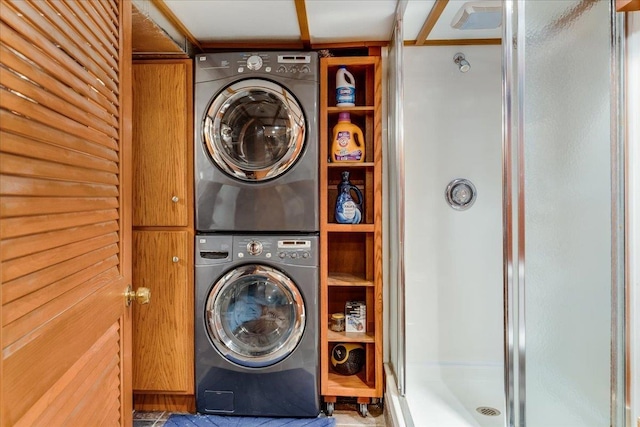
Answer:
[(65, 108)]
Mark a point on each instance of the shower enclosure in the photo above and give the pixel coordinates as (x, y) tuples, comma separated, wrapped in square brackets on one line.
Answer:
[(510, 312)]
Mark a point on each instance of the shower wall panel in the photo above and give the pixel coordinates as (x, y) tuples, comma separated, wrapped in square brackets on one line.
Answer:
[(452, 129)]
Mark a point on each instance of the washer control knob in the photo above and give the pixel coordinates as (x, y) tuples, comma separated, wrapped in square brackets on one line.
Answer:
[(304, 69), (254, 62), (281, 69), (254, 247), (294, 255), (305, 254), (282, 254)]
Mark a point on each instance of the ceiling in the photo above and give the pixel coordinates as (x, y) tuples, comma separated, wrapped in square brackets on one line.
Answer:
[(304, 24)]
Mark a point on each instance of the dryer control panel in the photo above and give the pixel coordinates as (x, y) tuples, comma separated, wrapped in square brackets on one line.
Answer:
[(294, 65)]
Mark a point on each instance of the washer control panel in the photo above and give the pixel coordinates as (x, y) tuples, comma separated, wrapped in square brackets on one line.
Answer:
[(299, 251), (290, 250)]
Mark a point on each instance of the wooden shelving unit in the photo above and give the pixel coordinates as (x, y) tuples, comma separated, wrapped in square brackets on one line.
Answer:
[(351, 254)]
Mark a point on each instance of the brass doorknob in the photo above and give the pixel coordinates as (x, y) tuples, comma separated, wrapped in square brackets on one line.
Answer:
[(142, 295)]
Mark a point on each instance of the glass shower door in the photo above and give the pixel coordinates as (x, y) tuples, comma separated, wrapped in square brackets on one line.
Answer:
[(564, 229)]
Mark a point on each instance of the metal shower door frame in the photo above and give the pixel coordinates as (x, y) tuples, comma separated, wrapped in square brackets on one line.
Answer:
[(514, 208)]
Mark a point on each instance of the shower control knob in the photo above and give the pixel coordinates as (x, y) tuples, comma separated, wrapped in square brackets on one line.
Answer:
[(460, 194), (254, 62), (254, 248)]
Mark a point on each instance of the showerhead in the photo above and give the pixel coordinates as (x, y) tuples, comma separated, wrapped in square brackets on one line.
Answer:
[(463, 64)]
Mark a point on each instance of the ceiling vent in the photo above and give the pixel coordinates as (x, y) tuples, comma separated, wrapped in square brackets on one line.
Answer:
[(479, 15)]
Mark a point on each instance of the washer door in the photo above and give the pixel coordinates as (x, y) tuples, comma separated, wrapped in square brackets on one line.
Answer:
[(254, 130), (255, 315)]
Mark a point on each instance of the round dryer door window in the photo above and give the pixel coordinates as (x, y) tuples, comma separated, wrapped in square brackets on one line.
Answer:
[(254, 130), (255, 315)]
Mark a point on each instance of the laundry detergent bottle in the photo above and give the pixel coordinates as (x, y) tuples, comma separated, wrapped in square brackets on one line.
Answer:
[(348, 141), (348, 210), (345, 88)]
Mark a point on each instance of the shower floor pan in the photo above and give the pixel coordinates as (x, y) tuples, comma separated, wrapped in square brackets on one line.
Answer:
[(456, 395)]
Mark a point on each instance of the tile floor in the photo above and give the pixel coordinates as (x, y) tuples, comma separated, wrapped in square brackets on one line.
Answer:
[(345, 413)]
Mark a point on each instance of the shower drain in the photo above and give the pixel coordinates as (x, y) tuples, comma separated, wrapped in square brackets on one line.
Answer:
[(490, 412)]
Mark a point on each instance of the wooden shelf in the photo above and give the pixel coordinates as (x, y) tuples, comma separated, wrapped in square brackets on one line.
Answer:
[(333, 336), (351, 110), (350, 228), (349, 385), (345, 279), (350, 165), (351, 254)]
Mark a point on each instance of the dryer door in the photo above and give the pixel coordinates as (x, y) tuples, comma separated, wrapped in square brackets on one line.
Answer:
[(254, 130), (255, 315)]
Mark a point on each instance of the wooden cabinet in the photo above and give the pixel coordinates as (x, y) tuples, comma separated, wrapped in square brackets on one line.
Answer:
[(163, 354), (351, 254), (161, 130), (163, 339)]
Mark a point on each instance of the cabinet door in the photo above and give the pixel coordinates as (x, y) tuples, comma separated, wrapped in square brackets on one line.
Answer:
[(163, 329), (161, 143)]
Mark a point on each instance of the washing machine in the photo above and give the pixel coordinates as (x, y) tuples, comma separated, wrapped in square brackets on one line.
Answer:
[(256, 325), (256, 141)]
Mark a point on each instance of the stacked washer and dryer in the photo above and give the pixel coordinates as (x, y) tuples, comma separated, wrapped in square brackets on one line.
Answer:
[(256, 248)]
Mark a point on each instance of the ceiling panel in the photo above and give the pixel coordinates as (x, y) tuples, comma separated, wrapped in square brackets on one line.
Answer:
[(238, 20), (336, 21), (414, 16), (228, 22)]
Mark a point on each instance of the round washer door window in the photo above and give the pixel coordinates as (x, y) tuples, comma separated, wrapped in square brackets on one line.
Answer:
[(255, 315), (254, 130)]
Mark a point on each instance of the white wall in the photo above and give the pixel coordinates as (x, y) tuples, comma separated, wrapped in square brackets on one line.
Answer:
[(453, 125)]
